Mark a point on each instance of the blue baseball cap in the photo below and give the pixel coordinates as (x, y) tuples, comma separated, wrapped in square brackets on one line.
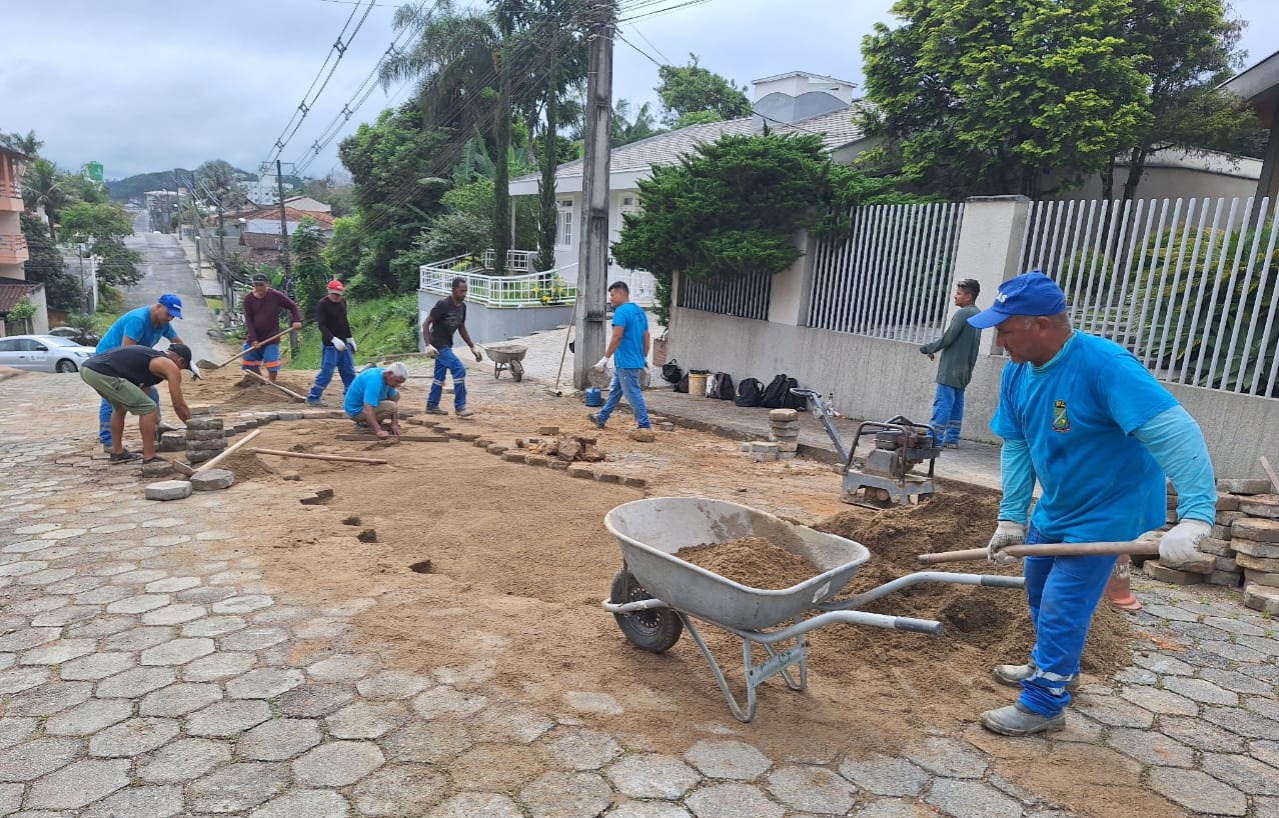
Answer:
[(1030, 293), (171, 303)]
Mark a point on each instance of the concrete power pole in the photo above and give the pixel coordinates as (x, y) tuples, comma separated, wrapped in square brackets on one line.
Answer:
[(289, 288), (592, 259)]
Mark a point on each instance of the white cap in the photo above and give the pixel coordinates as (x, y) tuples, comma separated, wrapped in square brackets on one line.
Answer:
[(399, 370)]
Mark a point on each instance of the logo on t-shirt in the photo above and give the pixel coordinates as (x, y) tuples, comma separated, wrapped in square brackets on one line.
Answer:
[(1061, 420)]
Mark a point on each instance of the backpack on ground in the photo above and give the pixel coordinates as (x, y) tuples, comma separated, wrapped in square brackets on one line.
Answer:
[(775, 393), (749, 392), (671, 372), (794, 401), (724, 387), (682, 384)]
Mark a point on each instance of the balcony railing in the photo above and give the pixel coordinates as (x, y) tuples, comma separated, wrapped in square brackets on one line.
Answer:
[(530, 290), (13, 249)]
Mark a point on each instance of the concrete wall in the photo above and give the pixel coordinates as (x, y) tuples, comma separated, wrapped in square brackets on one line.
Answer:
[(490, 325)]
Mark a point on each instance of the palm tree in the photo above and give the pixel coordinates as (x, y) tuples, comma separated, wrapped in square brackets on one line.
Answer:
[(42, 189), (29, 144), (626, 130)]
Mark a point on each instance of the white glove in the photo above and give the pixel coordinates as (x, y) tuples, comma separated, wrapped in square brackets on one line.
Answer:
[(338, 345), (479, 356), (1006, 533), (351, 343), (431, 351), (601, 364), (1180, 543)]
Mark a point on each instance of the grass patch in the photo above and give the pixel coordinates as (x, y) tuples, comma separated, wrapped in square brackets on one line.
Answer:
[(386, 326)]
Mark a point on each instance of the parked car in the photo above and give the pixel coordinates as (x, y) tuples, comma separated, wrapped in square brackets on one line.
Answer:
[(43, 353), (89, 340)]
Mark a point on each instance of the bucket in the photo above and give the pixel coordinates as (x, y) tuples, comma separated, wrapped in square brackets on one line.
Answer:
[(594, 397), (697, 383)]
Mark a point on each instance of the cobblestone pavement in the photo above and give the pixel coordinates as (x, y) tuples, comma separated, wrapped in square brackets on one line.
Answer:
[(147, 670)]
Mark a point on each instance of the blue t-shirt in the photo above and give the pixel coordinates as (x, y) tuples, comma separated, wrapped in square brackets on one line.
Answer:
[(630, 350), (368, 387), (135, 324), (1077, 414)]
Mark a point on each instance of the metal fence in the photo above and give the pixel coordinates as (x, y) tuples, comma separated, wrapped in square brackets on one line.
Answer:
[(1187, 285), (748, 296), (889, 273), (532, 290)]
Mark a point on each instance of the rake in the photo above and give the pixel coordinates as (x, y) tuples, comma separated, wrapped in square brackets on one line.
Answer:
[(204, 364)]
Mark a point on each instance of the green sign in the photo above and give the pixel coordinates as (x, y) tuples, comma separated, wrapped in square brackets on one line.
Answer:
[(94, 171)]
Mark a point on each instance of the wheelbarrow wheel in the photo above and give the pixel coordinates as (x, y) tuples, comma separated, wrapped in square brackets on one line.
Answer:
[(655, 630), (517, 370)]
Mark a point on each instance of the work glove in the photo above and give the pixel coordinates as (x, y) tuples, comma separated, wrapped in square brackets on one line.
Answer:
[(339, 345), (1006, 533), (431, 351), (601, 364), (351, 343), (479, 356), (1180, 543)]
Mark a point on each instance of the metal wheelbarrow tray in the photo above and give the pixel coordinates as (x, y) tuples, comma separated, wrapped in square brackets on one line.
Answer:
[(507, 356), (656, 594)]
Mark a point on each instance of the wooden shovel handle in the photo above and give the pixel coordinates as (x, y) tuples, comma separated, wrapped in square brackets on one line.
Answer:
[(1064, 549), (242, 352)]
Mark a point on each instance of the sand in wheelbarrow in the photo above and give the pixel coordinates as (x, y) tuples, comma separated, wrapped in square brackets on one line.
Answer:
[(753, 561)]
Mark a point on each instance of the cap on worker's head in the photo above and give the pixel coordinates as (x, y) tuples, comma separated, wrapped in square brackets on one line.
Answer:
[(1031, 293), (171, 303), (184, 352), (336, 286), (260, 278), (398, 369)]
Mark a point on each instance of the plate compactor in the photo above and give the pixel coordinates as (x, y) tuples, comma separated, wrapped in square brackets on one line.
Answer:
[(888, 471)]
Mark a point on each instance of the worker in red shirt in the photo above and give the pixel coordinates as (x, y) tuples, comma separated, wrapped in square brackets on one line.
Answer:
[(262, 309)]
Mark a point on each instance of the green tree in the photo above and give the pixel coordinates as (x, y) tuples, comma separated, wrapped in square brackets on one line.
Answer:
[(336, 196), (990, 98), (310, 269), (119, 265), (43, 187), (45, 264), (217, 177), (628, 129), (689, 89), (29, 144), (100, 221)]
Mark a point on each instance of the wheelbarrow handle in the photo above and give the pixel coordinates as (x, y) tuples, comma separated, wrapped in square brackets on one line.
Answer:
[(1065, 549)]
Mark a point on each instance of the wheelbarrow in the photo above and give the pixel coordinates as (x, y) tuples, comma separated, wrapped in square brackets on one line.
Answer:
[(657, 595), (507, 356)]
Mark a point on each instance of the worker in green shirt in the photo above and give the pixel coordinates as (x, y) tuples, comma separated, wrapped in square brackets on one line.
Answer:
[(958, 348)]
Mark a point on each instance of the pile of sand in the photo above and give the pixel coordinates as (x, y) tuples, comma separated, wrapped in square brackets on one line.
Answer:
[(752, 561), (227, 387)]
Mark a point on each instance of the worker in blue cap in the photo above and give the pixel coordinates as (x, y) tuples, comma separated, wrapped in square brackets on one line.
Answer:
[(144, 326), (1086, 420)]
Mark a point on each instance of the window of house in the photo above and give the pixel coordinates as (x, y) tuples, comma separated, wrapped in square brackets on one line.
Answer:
[(564, 238)]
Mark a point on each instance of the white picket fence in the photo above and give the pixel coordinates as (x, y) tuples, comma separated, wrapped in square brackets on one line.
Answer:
[(1188, 285), (890, 273)]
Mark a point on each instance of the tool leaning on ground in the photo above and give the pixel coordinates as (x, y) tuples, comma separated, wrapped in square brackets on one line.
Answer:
[(206, 364), (1065, 549)]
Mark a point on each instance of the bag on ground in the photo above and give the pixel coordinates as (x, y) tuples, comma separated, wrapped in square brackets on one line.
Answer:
[(671, 372), (682, 384), (724, 387), (749, 392), (792, 400), (775, 393)]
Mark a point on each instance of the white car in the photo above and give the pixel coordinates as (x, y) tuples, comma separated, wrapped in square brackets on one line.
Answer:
[(43, 353)]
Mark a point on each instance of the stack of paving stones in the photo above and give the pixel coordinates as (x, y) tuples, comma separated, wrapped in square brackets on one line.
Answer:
[(783, 429), (205, 439), (1243, 548)]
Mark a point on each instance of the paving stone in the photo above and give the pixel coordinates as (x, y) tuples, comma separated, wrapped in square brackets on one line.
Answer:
[(279, 739), (885, 776), (314, 700), (170, 585), (168, 490), (947, 757), (266, 683), (651, 775), (447, 701), (139, 638), (139, 577), (1263, 705), (49, 698), (1149, 747), (88, 718), (243, 604), (888, 808), (593, 702), (1197, 791), (177, 651), (175, 614), (433, 742), (391, 685), (338, 763), (497, 767), (79, 784), (1205, 657), (139, 802), (103, 595), (55, 653), (1236, 681), (38, 757), (1163, 665), (477, 805), (727, 759), (222, 665), (972, 799), (1262, 672), (14, 731), (1161, 701), (66, 615), (132, 737), (1114, 712), (96, 666), (184, 759), (179, 699), (237, 787), (403, 789), (17, 680), (584, 749), (366, 719), (1265, 751), (510, 722), (811, 789), (1201, 691), (255, 638), (214, 626), (1136, 676), (1241, 772), (343, 668), (309, 803), (10, 798), (227, 718), (136, 682), (733, 800), (567, 795)]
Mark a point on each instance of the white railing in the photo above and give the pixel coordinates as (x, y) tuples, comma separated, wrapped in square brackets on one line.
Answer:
[(748, 296), (546, 289), (517, 261), (889, 274), (1188, 285), (642, 285)]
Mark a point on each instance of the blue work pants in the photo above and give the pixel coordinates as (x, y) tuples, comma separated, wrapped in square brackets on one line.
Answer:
[(447, 363), (332, 358), (948, 413), (626, 382)]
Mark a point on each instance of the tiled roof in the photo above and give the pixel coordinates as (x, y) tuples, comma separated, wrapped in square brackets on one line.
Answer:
[(836, 127), (11, 292), (272, 213)]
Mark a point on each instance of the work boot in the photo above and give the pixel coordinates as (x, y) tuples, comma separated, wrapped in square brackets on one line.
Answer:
[(595, 420), (1015, 720), (435, 410), (125, 456), (464, 413), (316, 402), (1014, 675)]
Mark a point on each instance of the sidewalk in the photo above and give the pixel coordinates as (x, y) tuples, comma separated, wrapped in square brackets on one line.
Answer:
[(206, 275)]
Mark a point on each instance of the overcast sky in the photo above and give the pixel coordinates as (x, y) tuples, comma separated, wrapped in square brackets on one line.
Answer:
[(145, 85)]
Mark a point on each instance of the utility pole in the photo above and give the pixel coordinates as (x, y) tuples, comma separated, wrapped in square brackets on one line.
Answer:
[(592, 259), (294, 343)]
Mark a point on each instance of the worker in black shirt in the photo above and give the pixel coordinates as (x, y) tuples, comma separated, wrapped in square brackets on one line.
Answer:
[(121, 377), (337, 349)]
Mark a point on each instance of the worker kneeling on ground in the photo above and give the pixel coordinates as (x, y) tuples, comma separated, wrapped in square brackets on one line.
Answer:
[(373, 397), (1082, 416), (121, 377)]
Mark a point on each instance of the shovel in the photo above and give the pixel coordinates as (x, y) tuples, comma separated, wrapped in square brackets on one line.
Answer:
[(1064, 549), (203, 364)]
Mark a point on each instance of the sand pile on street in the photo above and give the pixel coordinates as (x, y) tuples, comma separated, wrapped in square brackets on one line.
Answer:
[(228, 387)]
